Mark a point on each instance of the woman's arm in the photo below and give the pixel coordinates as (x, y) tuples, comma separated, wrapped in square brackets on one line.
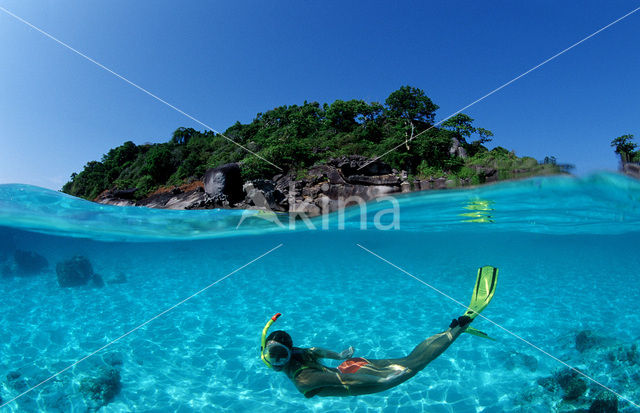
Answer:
[(328, 354)]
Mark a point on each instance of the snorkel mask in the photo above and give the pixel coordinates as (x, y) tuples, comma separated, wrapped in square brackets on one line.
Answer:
[(275, 363)]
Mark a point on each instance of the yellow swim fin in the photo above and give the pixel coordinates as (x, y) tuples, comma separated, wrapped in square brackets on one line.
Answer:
[(483, 291), (478, 333)]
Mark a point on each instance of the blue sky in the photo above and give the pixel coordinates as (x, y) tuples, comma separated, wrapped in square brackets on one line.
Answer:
[(223, 62)]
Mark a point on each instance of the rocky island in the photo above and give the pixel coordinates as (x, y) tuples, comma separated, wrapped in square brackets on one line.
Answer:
[(306, 158)]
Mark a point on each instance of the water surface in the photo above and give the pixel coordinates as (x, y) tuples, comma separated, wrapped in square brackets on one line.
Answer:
[(567, 250)]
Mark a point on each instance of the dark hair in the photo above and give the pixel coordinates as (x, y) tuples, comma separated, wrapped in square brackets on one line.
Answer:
[(281, 337)]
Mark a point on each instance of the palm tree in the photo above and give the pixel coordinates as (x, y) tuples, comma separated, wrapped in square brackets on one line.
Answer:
[(624, 147)]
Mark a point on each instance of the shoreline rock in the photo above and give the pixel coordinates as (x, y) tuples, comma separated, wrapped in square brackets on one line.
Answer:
[(224, 184), (631, 169), (320, 190)]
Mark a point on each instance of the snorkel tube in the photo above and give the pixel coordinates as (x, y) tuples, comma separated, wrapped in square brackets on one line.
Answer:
[(264, 338)]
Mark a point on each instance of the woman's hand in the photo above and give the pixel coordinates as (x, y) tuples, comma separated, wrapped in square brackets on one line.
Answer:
[(345, 354)]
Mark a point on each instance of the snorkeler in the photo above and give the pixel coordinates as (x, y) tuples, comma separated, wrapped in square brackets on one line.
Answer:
[(358, 375)]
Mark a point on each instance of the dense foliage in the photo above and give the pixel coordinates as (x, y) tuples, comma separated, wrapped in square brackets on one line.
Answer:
[(296, 137), (626, 148)]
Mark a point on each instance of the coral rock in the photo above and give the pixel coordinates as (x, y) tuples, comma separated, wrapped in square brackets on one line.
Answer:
[(29, 263), (76, 272), (572, 385), (586, 340), (101, 390), (605, 402)]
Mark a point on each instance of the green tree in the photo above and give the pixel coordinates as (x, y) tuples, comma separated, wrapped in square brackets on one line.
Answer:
[(412, 105), (462, 129), (408, 113), (88, 183), (345, 116), (432, 149), (118, 159), (182, 136), (159, 164), (461, 126), (624, 147), (371, 120)]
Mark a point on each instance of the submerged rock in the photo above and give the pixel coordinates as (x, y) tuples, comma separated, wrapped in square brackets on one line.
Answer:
[(572, 384), (605, 402), (101, 390), (13, 375), (586, 340), (622, 354), (549, 384), (568, 382), (77, 272), (16, 381), (29, 262)]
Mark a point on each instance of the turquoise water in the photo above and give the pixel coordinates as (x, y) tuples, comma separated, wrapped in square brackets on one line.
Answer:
[(567, 250)]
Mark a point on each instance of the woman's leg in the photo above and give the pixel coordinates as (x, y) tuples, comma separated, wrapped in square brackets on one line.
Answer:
[(426, 351), (431, 348)]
